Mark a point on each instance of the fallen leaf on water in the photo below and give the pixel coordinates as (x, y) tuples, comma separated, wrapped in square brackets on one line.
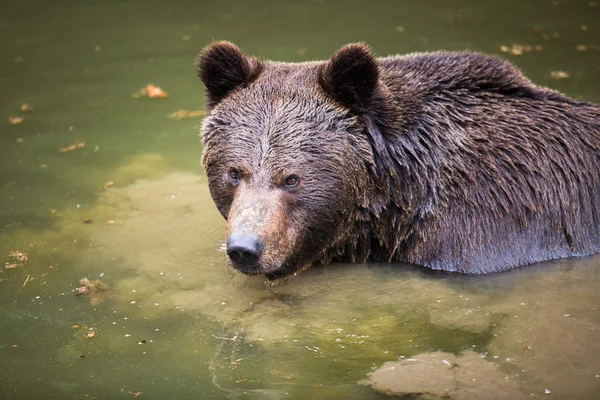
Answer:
[(560, 75), (89, 335), (110, 222), (77, 145), (15, 120), (109, 184), (580, 47), (135, 394), (26, 107), (183, 113), (519, 49), (152, 91), (10, 266)]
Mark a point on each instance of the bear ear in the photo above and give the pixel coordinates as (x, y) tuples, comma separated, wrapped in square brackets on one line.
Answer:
[(222, 67), (350, 77)]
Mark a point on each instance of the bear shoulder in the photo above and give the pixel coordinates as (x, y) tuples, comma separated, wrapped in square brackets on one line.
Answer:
[(461, 71)]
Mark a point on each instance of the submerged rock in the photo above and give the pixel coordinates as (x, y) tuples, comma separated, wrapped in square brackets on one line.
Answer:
[(444, 376), (92, 289)]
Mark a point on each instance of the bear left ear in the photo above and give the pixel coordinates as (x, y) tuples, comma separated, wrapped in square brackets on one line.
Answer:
[(351, 76), (223, 67)]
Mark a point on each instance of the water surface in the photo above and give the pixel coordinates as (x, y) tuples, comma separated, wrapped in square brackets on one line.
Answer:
[(176, 322)]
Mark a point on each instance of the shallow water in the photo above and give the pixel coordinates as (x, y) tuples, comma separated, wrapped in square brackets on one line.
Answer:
[(176, 322)]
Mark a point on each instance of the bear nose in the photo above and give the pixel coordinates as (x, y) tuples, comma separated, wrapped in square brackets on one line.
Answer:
[(244, 250)]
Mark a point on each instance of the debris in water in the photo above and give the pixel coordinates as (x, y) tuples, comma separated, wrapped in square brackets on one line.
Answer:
[(89, 328), (93, 289), (26, 107), (17, 259), (519, 49), (560, 75), (151, 91), (19, 256), (52, 211), (77, 145), (183, 113), (15, 120)]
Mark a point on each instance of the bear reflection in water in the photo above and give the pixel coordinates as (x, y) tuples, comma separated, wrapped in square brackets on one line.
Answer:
[(450, 160)]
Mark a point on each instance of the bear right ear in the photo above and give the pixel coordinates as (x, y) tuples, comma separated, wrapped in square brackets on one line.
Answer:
[(223, 67), (351, 76)]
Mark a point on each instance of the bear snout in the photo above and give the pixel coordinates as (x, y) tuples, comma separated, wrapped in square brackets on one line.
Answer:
[(244, 251)]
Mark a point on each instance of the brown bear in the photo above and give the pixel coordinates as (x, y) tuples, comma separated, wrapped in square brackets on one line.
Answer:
[(450, 160)]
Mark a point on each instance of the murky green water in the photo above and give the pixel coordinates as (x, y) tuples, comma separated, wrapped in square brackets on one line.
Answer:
[(176, 323)]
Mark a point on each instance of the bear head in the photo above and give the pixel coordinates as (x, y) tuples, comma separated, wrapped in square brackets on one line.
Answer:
[(286, 154)]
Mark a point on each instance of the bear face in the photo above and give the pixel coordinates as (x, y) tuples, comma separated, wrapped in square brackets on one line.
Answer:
[(285, 155)]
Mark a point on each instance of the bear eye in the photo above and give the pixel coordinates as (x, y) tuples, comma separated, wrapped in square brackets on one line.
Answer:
[(291, 181), (234, 175)]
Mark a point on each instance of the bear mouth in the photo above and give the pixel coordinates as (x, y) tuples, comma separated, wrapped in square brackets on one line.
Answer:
[(248, 269), (274, 273)]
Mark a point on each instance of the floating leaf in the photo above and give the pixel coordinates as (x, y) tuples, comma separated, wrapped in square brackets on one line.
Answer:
[(15, 120), (560, 75), (77, 145), (183, 113)]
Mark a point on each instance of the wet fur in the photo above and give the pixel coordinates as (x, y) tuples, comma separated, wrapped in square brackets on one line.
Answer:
[(453, 161)]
